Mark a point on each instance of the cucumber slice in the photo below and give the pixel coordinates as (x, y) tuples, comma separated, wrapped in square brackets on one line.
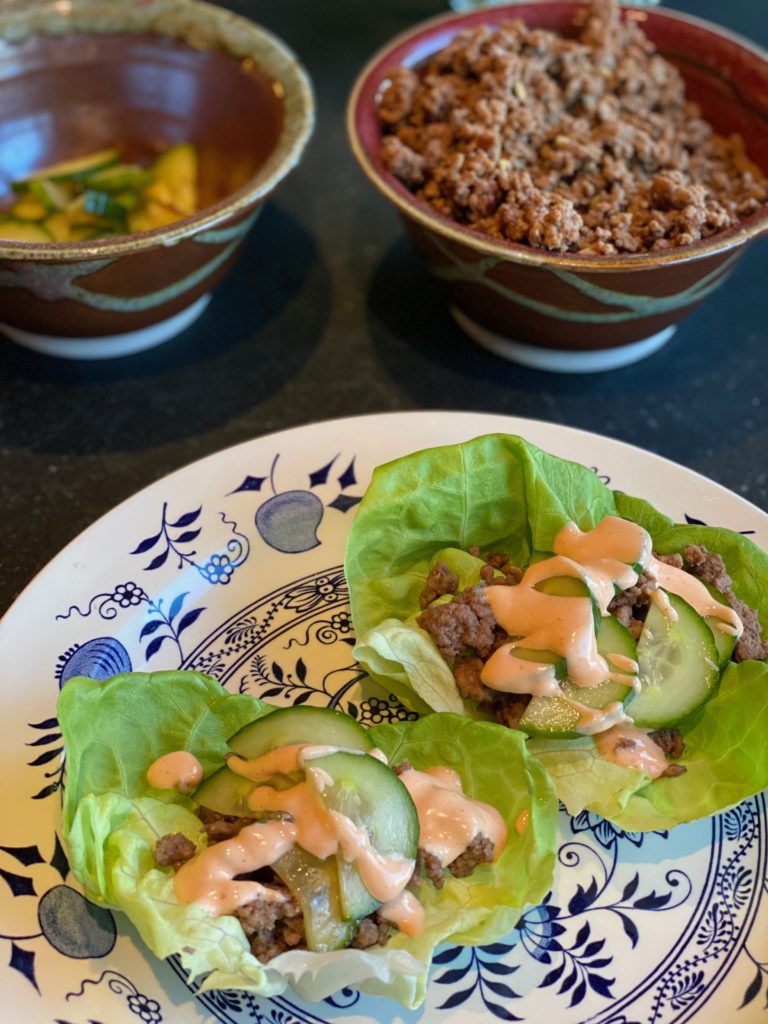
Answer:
[(724, 642), (101, 204), (119, 178), (679, 667), (555, 718), (71, 170), (53, 196), (227, 792), (315, 884), (299, 725), (543, 657), (570, 586), (372, 796)]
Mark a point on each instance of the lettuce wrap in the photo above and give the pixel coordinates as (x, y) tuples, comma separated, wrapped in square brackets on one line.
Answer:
[(114, 730), (501, 492)]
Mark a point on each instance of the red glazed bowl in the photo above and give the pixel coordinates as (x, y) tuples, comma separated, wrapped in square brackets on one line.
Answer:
[(77, 78), (576, 312)]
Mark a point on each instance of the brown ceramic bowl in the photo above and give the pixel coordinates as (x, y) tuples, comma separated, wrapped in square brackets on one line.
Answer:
[(575, 312), (76, 78)]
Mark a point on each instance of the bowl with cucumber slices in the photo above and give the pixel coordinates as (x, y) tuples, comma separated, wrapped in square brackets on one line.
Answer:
[(122, 207)]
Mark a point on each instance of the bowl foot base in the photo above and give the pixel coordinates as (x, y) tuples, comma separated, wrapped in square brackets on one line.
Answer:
[(112, 345), (561, 360)]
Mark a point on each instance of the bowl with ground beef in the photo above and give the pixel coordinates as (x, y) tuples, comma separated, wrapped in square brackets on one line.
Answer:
[(580, 177)]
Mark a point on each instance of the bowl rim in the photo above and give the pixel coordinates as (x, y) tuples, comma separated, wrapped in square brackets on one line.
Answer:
[(516, 252), (297, 93)]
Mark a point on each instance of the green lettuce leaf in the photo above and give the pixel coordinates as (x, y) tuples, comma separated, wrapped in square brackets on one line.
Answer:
[(113, 730), (501, 493)]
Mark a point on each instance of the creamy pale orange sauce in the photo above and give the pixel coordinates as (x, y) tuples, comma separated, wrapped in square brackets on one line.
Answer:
[(595, 720), (608, 551), (522, 821), (383, 877), (404, 912), (627, 745), (209, 878), (176, 770), (508, 674), (678, 581), (607, 556), (448, 819), (624, 664)]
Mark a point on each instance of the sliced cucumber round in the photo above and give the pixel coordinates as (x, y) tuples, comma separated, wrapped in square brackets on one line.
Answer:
[(679, 666), (570, 586), (556, 718), (71, 170), (372, 796), (300, 725), (315, 884), (724, 642), (227, 792)]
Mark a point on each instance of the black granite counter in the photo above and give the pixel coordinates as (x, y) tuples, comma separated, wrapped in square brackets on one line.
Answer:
[(329, 313)]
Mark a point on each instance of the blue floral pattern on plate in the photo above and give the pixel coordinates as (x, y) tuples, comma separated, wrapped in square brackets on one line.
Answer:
[(652, 928)]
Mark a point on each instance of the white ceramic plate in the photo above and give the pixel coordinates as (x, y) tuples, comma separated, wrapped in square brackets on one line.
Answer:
[(233, 566)]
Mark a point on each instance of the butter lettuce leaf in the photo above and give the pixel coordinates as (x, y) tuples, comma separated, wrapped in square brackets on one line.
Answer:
[(500, 492), (113, 818)]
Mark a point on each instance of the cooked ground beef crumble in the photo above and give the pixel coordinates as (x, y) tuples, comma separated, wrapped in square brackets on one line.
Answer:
[(564, 144)]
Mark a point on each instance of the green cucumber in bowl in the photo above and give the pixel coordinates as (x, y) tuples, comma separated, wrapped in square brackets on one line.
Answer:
[(71, 170), (555, 718), (679, 665)]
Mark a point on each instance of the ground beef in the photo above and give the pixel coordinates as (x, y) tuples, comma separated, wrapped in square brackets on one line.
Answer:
[(404, 766), (466, 672), (637, 596), (509, 708), (710, 568), (707, 566), (581, 144), (173, 850), (272, 926), (429, 866), (623, 613), (372, 931), (218, 827), (631, 606), (479, 851), (466, 622), (670, 741), (751, 643), (673, 559), (440, 581)]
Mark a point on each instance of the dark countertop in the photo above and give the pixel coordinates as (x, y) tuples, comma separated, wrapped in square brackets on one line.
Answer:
[(329, 313)]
